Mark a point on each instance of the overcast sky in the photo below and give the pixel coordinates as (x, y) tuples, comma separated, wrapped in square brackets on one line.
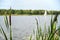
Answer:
[(30, 4)]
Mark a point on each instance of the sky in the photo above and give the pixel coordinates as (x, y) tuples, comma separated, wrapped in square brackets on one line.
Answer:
[(30, 4)]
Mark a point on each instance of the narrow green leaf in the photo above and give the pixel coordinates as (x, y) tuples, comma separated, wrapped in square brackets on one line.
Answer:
[(4, 33)]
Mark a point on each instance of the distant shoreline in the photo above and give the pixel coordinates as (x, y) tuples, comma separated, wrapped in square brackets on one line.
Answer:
[(27, 12)]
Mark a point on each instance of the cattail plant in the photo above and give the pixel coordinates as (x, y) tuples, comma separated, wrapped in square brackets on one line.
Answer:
[(10, 27), (53, 27), (51, 34), (7, 26)]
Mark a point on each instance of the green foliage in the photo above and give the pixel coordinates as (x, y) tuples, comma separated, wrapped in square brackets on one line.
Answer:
[(51, 34), (2, 31), (6, 22), (30, 37), (8, 25), (26, 12)]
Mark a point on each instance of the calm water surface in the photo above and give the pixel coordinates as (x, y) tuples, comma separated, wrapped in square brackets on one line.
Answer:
[(23, 26)]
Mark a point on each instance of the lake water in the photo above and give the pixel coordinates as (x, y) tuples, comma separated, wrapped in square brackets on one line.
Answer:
[(22, 26)]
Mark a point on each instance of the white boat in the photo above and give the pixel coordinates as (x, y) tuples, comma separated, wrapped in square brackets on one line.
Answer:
[(45, 13)]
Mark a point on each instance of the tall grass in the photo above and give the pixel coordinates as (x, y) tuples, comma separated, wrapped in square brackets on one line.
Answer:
[(51, 34), (8, 26), (3, 32)]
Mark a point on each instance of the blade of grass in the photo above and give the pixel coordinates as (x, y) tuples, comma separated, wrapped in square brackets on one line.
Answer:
[(4, 33), (30, 37), (54, 33), (6, 22)]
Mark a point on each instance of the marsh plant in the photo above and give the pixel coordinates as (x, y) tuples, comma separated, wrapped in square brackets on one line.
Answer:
[(7, 22), (52, 33)]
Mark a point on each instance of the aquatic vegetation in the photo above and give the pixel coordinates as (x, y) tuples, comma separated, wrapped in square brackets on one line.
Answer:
[(2, 31), (8, 26), (51, 34)]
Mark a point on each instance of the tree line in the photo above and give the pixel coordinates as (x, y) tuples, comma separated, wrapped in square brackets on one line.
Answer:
[(26, 12)]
